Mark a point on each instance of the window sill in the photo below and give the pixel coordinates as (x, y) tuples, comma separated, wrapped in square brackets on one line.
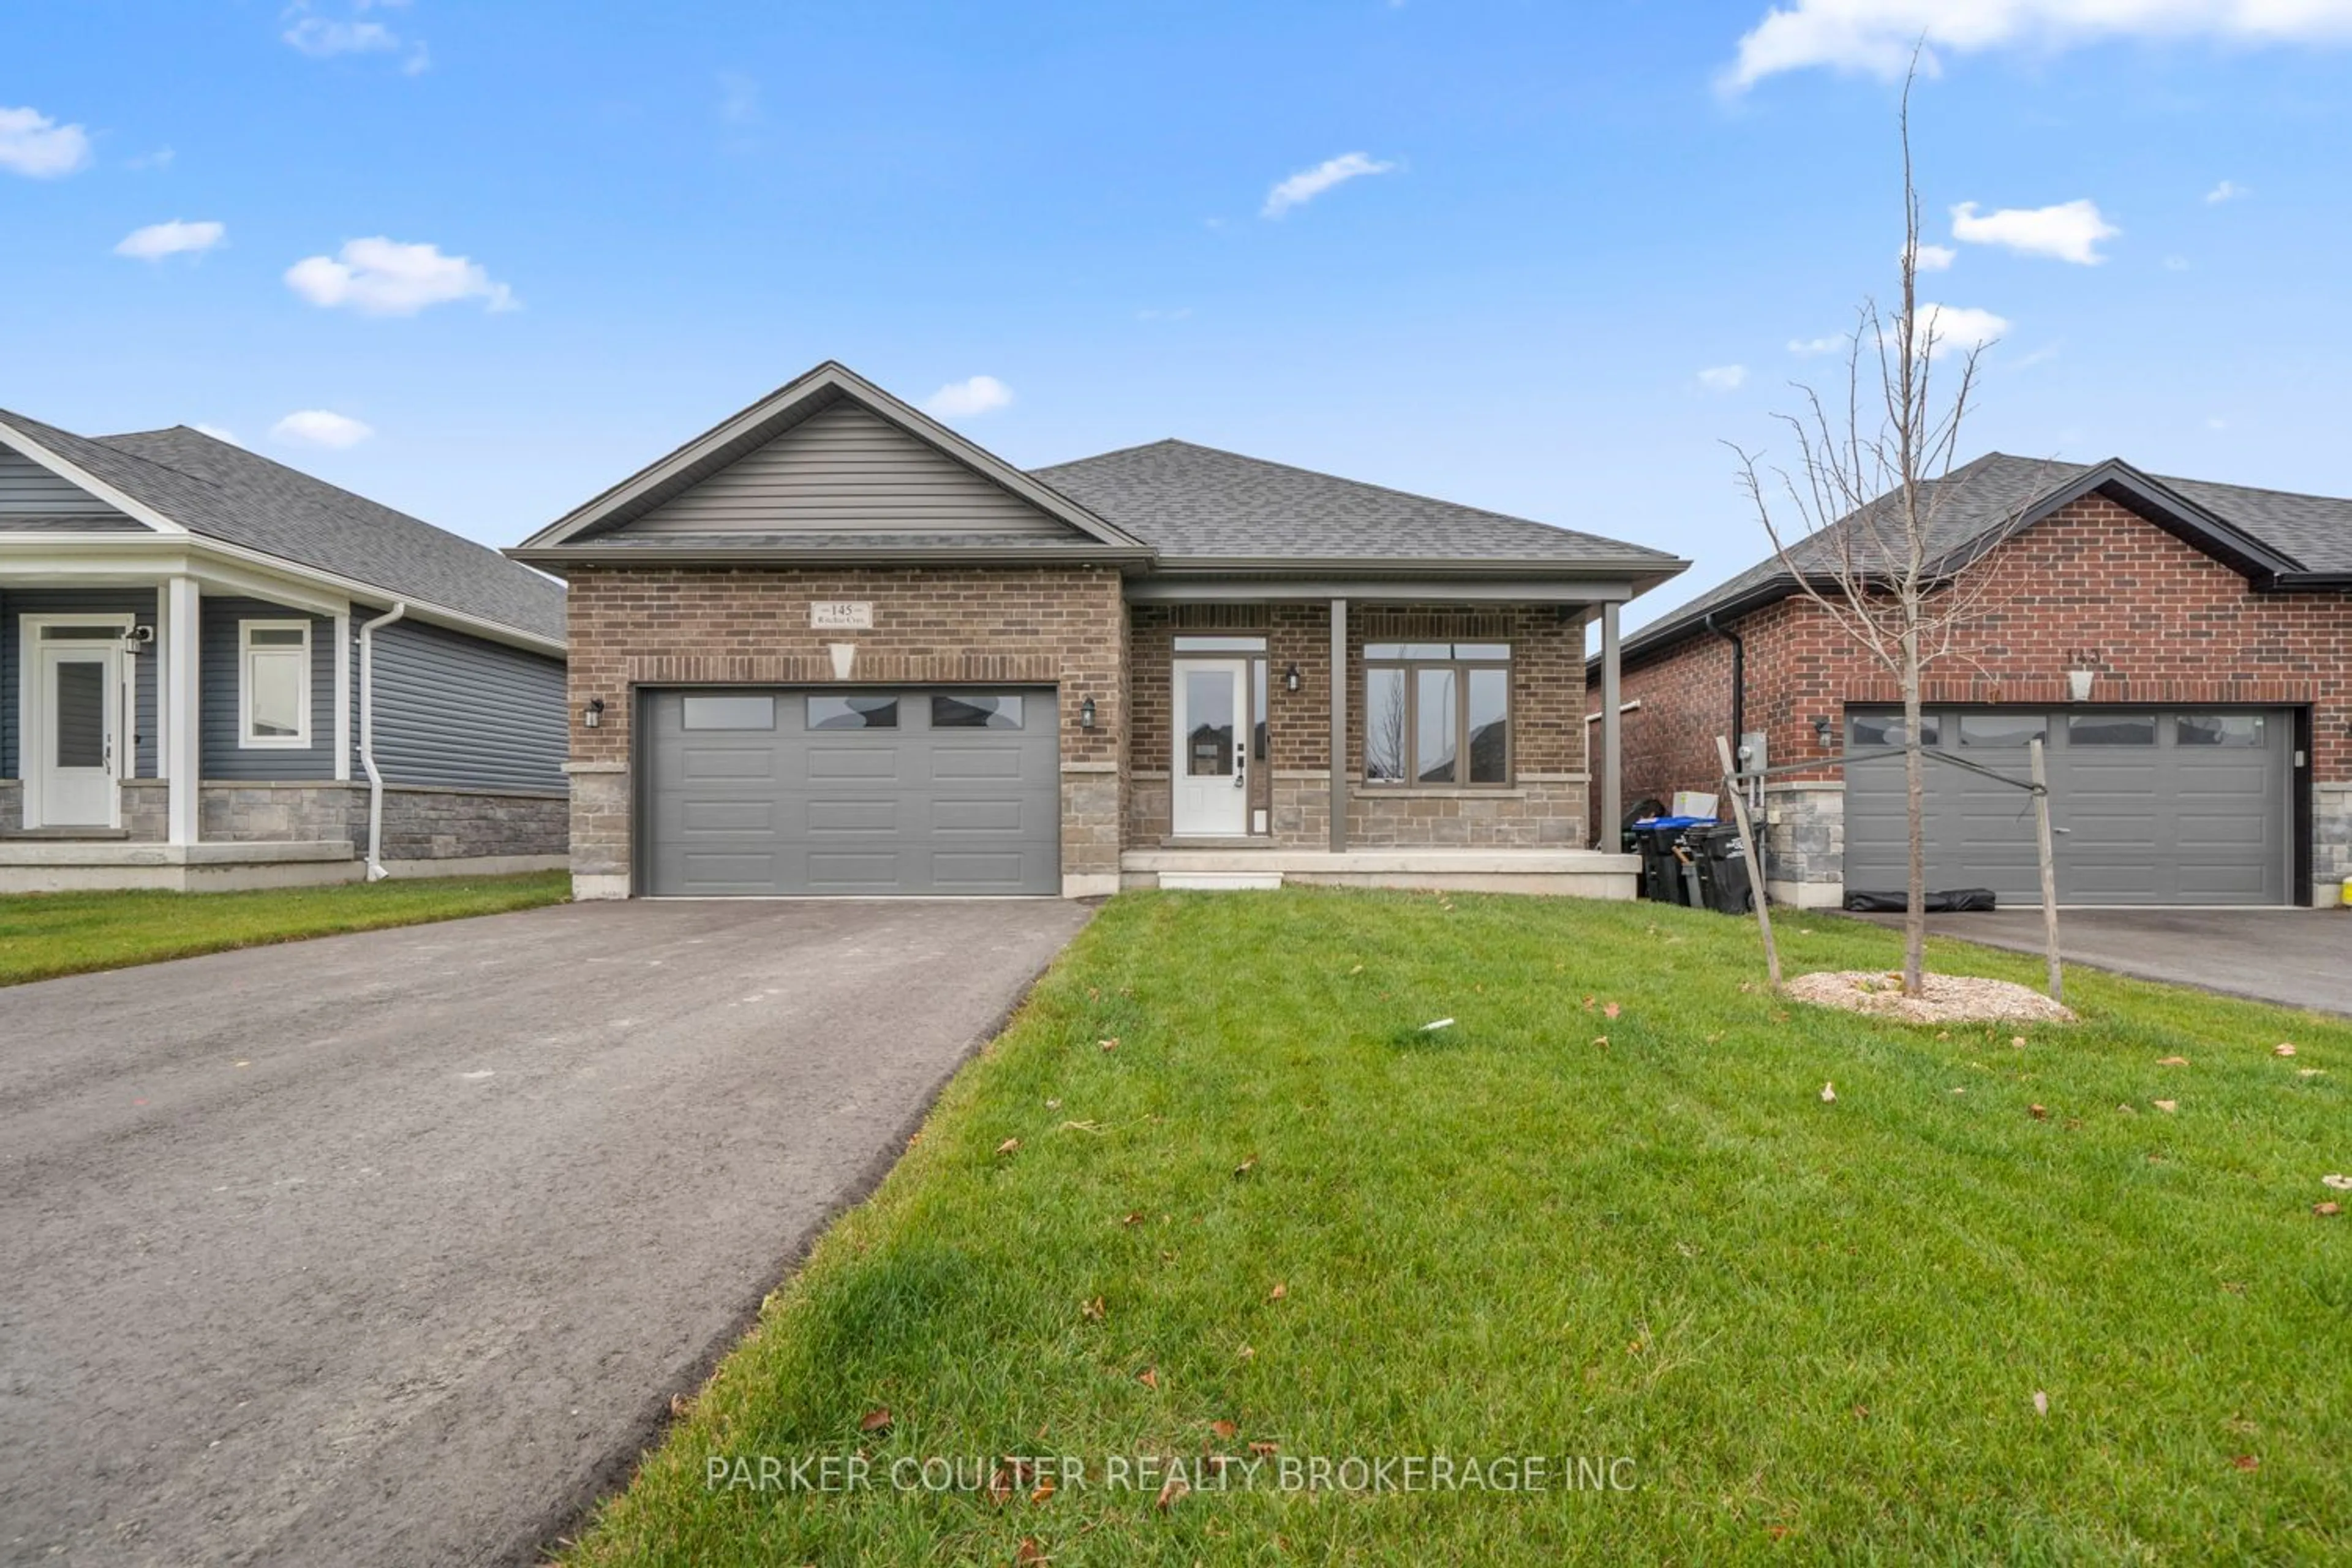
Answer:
[(1364, 791)]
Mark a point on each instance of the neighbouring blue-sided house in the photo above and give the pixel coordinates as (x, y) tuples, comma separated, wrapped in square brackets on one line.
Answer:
[(216, 671)]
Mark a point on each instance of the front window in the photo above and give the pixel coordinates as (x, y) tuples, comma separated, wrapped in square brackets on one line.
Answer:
[(273, 688), (1437, 713)]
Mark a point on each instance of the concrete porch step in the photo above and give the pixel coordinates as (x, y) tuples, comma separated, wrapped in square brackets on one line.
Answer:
[(67, 834)]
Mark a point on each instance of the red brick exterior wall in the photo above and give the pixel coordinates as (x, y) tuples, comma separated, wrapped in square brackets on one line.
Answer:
[(2093, 586)]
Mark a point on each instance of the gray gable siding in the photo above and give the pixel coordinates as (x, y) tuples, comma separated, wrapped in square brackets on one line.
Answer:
[(844, 469), (32, 497), (17, 603), (453, 710), (218, 658)]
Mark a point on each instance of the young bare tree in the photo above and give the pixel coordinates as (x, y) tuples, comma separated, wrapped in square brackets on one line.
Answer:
[(1853, 519)]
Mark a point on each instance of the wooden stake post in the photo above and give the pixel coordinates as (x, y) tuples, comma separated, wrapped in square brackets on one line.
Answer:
[(1755, 860), (2048, 870)]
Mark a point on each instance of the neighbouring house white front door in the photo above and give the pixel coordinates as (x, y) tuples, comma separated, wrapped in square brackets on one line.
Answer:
[(1209, 778), (74, 731)]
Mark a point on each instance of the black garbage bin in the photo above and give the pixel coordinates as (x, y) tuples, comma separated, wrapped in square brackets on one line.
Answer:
[(1725, 885), (1666, 872)]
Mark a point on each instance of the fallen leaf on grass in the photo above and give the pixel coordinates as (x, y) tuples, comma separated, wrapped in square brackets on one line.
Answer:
[(1247, 1353), (2018, 1040), (2281, 1050), (1588, 1001), (1224, 1430), (876, 1420), (2039, 1112), (1028, 1552), (2040, 1403), (1042, 1490), (1261, 1450), (1134, 1217), (2166, 1105), (1610, 1009), (1170, 1493), (1246, 1166), (2341, 1184), (1109, 1045), (2172, 1061), (2309, 1072), (1600, 1040), (1358, 970), (1008, 1146), (1279, 1292), (2233, 1287), (1000, 1487), (1777, 1531), (679, 1405), (1149, 1378), (2327, 1210), (2247, 1462), (1828, 1094), (1093, 1311)]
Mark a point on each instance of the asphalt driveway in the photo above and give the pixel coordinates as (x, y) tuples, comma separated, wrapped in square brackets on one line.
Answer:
[(393, 1247), (2302, 958)]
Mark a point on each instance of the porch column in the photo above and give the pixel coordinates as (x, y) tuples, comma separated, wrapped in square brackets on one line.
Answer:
[(1338, 724), (1613, 802), (182, 754)]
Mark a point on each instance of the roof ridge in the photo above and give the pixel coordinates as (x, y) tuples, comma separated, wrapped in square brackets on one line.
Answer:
[(1115, 452), (2253, 489), (302, 474)]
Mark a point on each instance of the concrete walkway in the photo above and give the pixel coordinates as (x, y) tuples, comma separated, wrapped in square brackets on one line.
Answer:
[(2302, 958), (391, 1249)]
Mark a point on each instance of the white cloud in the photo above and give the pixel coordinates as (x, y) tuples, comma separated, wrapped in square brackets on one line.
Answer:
[(32, 145), (218, 433), (380, 277), (158, 240), (317, 427), (2070, 231), (2227, 191), (1308, 184), (962, 399), (1810, 346), (320, 37), (1878, 36), (1961, 327), (1723, 377), (1934, 257)]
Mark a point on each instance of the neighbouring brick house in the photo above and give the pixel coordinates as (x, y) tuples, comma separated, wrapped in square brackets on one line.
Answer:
[(216, 671), (831, 647), (2183, 648)]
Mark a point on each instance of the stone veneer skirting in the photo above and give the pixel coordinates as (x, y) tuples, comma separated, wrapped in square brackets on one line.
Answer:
[(1539, 811), (421, 822)]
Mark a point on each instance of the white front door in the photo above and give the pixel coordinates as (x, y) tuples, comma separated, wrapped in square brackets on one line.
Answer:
[(75, 732), (1210, 780)]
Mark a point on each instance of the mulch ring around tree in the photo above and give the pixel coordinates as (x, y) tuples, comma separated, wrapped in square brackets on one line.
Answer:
[(1951, 998)]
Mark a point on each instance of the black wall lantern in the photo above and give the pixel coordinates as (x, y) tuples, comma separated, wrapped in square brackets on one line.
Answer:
[(1290, 678), (594, 716), (1086, 714), (1823, 729)]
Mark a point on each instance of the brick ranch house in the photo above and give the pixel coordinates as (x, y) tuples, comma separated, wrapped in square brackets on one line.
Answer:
[(830, 647), (2184, 649)]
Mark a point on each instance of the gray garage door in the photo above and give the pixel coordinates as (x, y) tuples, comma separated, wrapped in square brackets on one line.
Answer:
[(2164, 805), (760, 792)]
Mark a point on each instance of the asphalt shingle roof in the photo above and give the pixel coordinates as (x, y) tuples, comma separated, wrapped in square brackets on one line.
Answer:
[(1197, 502), (1980, 498), (219, 490)]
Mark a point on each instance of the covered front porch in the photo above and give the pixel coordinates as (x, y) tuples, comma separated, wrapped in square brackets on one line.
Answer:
[(1456, 707)]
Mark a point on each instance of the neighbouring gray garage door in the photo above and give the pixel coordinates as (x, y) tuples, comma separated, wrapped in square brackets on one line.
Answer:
[(764, 792), (2161, 806)]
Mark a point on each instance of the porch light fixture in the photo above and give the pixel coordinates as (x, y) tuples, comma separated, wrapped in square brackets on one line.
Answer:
[(1822, 730), (1086, 714), (1290, 678), (594, 715)]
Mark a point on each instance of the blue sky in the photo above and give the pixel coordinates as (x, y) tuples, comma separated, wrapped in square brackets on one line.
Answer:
[(610, 226)]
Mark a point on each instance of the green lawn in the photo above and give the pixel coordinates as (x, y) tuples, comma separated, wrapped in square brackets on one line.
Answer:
[(1815, 1329), (46, 934)]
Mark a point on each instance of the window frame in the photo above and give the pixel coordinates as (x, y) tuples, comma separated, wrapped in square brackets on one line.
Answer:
[(1461, 669), (301, 740)]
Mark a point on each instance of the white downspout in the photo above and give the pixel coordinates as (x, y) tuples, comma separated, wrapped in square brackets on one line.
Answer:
[(375, 871)]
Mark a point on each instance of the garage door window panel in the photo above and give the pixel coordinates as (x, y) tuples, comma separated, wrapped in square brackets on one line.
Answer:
[(2014, 730), (728, 713), (2111, 728), (852, 712), (1887, 730), (975, 711), (2218, 730)]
